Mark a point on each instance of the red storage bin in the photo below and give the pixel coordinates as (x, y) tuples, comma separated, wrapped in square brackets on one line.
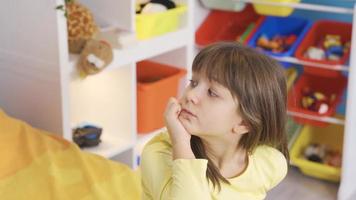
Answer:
[(317, 32), (315, 83), (227, 26), (156, 83)]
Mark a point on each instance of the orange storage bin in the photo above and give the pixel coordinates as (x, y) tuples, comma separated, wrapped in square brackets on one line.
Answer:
[(156, 83)]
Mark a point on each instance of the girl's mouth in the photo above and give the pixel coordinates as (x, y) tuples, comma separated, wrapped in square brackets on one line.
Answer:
[(185, 111)]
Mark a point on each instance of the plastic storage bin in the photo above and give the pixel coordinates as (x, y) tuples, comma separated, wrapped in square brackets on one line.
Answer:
[(227, 26), (156, 83), (224, 5), (332, 136), (282, 26), (315, 34), (155, 24), (315, 83), (274, 10)]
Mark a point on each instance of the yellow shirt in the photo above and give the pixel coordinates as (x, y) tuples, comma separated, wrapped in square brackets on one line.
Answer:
[(164, 178)]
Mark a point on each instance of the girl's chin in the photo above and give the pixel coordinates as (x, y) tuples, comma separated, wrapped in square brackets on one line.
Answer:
[(185, 122)]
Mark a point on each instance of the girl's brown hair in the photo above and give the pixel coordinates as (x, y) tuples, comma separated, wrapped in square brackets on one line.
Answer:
[(258, 83)]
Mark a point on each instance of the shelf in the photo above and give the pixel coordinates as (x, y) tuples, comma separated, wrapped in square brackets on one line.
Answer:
[(312, 64), (110, 146), (332, 120), (143, 138), (142, 50), (305, 6)]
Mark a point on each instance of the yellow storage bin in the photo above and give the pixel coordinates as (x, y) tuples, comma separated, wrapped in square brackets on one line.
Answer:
[(332, 136), (155, 24), (275, 10)]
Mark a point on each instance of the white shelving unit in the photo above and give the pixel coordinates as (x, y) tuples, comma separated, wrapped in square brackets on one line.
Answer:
[(39, 82), (347, 188)]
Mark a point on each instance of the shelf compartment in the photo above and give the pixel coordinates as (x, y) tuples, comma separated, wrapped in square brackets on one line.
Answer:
[(320, 84), (282, 26), (332, 136), (316, 34), (106, 100)]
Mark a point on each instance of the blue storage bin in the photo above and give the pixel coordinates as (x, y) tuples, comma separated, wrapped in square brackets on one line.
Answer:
[(282, 26)]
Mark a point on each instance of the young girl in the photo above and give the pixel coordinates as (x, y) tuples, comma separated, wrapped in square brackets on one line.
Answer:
[(226, 135)]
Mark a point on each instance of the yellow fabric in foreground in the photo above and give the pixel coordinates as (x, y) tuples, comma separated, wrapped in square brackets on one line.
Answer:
[(35, 164)]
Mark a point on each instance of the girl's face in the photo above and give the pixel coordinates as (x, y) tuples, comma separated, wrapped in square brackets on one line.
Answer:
[(208, 108)]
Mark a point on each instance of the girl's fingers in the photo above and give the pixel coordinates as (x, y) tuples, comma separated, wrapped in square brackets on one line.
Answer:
[(173, 106)]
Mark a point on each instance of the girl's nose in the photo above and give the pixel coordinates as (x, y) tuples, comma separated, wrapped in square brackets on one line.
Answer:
[(192, 95)]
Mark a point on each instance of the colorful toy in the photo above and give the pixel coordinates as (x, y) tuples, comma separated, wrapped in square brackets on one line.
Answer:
[(329, 48), (277, 44), (333, 158), (315, 153), (323, 154), (316, 101), (332, 40), (315, 53)]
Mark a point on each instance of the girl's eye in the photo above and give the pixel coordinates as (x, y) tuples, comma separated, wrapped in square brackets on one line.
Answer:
[(212, 93), (193, 83)]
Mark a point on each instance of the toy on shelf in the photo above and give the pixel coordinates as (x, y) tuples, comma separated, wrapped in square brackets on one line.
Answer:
[(277, 43), (316, 101), (153, 6), (87, 136), (329, 48), (81, 26), (95, 56), (322, 154)]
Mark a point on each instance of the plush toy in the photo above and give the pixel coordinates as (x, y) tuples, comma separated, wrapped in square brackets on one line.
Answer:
[(95, 56), (153, 6), (315, 152), (81, 26)]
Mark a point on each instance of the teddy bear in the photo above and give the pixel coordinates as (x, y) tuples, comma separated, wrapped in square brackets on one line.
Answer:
[(96, 55)]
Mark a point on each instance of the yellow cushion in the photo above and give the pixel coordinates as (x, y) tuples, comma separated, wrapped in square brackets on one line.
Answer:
[(35, 164)]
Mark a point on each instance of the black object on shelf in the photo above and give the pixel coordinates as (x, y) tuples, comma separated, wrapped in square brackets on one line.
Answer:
[(87, 136)]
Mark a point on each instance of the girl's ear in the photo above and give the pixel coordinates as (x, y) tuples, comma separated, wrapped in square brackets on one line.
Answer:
[(241, 128)]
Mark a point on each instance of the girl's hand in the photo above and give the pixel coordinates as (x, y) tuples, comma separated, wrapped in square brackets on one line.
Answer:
[(177, 132)]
